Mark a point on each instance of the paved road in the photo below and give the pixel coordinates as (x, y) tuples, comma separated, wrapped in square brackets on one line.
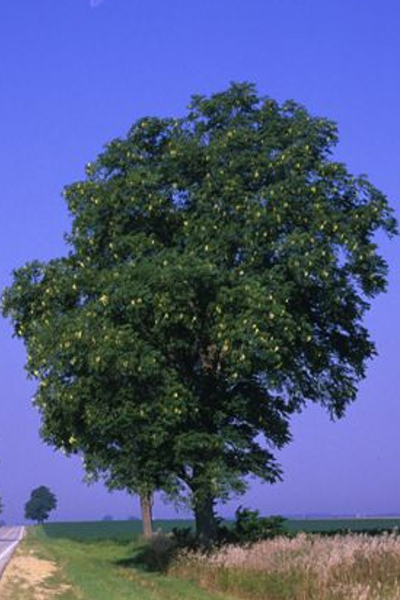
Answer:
[(9, 538)]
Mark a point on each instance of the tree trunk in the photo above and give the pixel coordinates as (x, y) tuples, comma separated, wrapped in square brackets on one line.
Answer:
[(206, 524), (146, 505)]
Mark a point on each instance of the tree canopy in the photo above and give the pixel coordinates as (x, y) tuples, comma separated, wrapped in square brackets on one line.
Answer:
[(40, 504), (219, 268)]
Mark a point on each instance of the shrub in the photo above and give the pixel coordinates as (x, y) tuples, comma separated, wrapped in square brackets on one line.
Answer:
[(250, 527), (159, 552), (184, 538)]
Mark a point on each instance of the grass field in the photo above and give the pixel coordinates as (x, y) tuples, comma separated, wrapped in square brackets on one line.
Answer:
[(100, 561), (91, 561), (126, 530), (111, 530)]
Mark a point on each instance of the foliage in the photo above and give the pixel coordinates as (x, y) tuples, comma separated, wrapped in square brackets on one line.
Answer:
[(250, 527), (247, 528), (158, 553), (184, 538), (219, 269), (40, 504)]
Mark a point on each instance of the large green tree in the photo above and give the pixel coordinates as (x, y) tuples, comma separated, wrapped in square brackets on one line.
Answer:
[(219, 269)]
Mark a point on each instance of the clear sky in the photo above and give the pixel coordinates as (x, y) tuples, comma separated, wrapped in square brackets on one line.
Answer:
[(74, 74)]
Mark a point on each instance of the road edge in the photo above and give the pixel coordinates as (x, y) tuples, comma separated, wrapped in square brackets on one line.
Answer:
[(7, 554)]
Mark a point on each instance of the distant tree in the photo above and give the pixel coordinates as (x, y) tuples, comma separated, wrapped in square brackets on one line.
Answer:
[(108, 518), (40, 504), (219, 270)]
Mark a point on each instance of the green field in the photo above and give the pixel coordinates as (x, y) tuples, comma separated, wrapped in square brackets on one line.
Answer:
[(127, 530), (110, 530)]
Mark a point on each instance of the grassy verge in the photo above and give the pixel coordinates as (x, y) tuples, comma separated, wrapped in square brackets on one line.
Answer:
[(87, 569)]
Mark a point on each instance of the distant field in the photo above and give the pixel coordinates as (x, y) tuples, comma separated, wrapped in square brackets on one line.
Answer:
[(107, 530), (354, 525), (126, 530)]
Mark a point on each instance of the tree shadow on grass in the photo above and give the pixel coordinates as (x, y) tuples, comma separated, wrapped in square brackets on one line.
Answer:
[(155, 556)]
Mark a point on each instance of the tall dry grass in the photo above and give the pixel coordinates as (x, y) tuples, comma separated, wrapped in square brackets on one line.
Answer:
[(307, 567)]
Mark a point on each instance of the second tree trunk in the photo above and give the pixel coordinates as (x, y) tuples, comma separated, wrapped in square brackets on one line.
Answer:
[(206, 523)]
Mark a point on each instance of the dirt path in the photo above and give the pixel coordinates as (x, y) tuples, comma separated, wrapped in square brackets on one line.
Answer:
[(27, 577)]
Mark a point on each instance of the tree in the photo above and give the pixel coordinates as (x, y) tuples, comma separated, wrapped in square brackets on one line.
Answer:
[(40, 504), (219, 269)]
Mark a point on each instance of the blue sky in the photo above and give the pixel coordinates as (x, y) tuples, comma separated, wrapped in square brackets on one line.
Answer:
[(75, 73)]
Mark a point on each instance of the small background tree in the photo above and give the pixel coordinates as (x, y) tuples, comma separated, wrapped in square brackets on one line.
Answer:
[(40, 504)]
